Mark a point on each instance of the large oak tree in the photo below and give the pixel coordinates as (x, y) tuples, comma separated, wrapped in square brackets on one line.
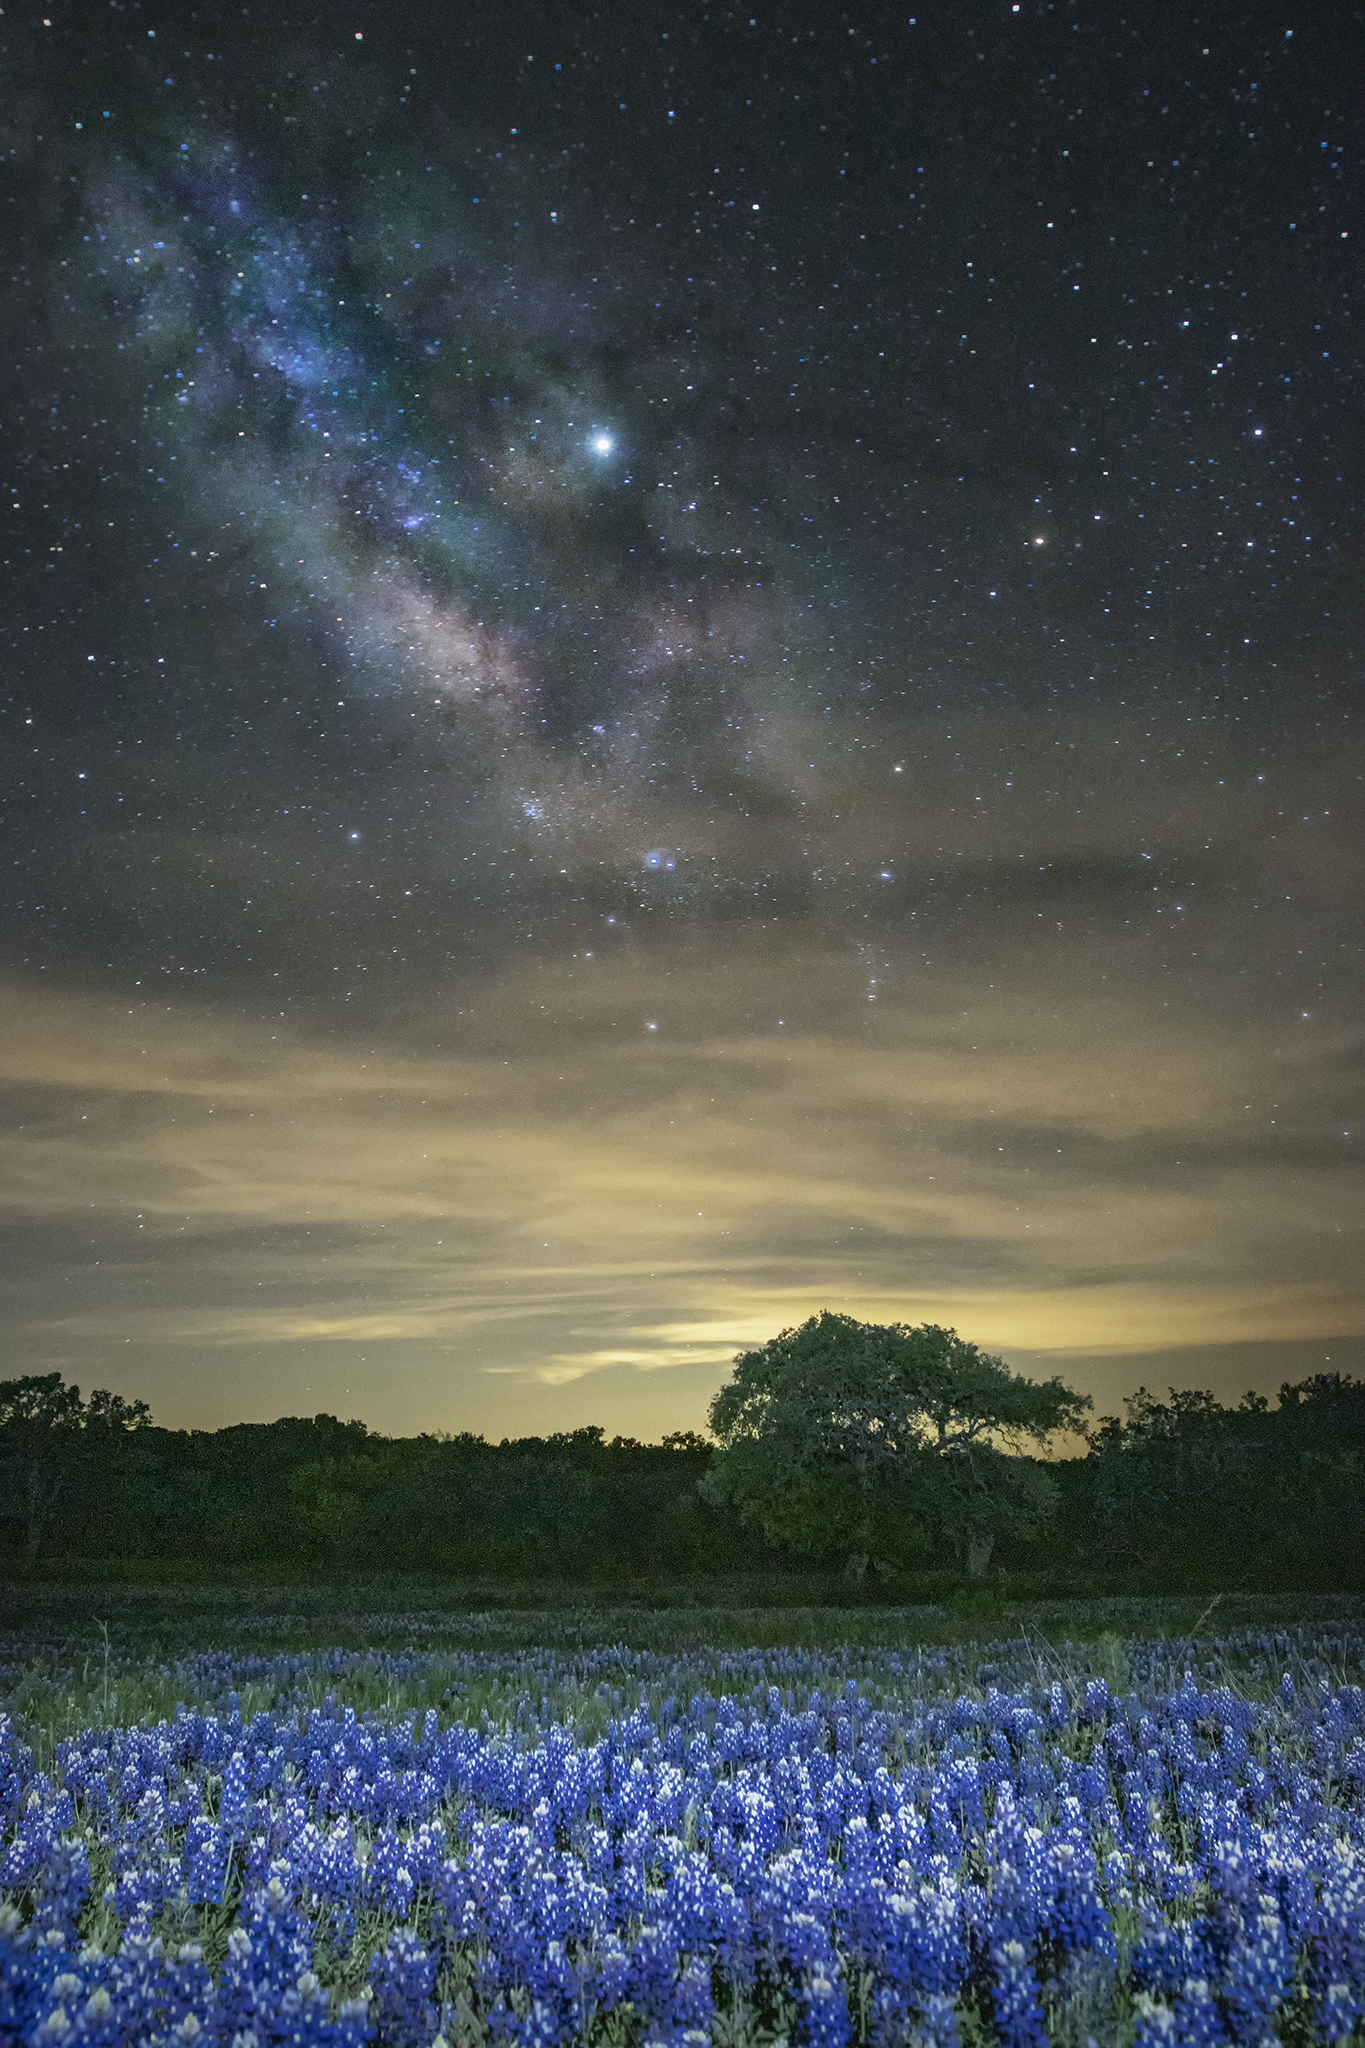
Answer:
[(886, 1441)]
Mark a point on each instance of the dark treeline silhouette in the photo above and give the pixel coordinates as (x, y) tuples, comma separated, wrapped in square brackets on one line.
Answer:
[(1182, 1494), (1186, 1492), (97, 1481)]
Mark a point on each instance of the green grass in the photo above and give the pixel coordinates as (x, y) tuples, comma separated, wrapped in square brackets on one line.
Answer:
[(390, 1613), (77, 1656)]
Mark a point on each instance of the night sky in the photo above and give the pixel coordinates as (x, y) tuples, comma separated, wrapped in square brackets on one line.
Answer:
[(665, 668)]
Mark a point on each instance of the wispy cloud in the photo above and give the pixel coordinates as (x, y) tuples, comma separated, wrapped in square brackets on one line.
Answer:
[(619, 1202)]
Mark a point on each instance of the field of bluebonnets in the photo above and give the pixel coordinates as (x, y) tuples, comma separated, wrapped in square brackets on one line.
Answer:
[(273, 1820)]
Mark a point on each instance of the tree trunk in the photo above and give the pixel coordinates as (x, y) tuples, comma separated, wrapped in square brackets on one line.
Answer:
[(44, 1490), (34, 1519), (979, 1550)]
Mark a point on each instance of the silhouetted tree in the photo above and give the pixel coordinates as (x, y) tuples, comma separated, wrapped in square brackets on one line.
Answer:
[(1188, 1491), (885, 1440), (50, 1442)]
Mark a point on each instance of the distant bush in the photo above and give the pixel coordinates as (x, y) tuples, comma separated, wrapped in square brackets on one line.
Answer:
[(1179, 1495)]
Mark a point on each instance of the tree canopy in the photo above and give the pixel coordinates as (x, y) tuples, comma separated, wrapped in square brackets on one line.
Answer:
[(46, 1435), (886, 1439), (1183, 1494), (1188, 1487)]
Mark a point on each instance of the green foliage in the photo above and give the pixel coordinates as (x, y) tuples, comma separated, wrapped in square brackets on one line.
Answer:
[(56, 1448), (1186, 1492), (856, 1465), (39, 1405), (886, 1441), (95, 1481)]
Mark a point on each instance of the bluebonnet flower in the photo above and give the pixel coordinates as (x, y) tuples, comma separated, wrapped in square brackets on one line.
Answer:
[(1015, 1996), (403, 1978), (30, 1961), (268, 1989), (16, 1773), (862, 1840)]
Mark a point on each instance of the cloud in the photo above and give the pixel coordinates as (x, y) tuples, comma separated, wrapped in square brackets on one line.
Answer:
[(552, 1196)]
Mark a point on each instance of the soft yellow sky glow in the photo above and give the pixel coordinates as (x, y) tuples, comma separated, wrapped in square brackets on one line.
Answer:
[(575, 1196)]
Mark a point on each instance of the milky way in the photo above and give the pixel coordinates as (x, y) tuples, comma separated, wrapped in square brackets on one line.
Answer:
[(663, 669)]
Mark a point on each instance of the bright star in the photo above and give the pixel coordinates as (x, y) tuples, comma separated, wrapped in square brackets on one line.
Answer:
[(603, 444)]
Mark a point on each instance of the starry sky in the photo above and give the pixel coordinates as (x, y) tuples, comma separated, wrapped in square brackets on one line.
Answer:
[(664, 668)]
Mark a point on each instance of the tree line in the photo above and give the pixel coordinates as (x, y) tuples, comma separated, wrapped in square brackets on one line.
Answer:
[(900, 1459)]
